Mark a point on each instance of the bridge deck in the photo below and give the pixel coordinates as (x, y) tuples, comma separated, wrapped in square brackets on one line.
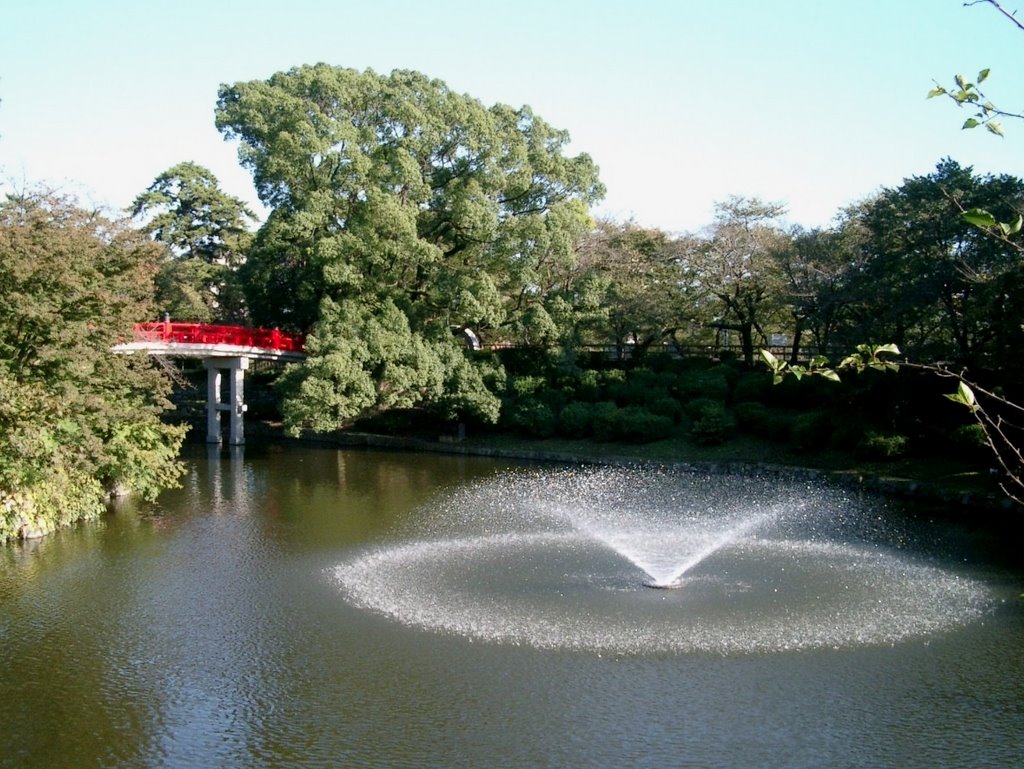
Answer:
[(203, 340), (225, 350)]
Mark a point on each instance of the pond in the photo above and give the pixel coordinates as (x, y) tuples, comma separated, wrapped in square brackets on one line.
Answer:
[(313, 607)]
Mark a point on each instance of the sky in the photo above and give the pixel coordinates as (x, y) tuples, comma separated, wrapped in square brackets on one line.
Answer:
[(817, 104)]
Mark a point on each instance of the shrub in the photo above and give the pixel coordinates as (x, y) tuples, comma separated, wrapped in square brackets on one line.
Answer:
[(697, 407), (703, 384), (761, 421), (883, 446), (752, 386), (712, 427), (588, 386), (605, 423), (970, 439), (554, 397), (811, 430), (612, 375), (806, 392), (628, 393), (576, 420), (666, 406), (522, 386), (634, 424), (730, 374), (531, 417), (846, 434)]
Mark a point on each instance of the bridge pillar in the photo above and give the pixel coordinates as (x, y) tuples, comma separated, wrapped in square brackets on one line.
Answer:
[(235, 404)]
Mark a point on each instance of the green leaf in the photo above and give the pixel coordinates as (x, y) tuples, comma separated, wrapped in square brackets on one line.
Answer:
[(971, 123), (829, 374), (983, 75), (851, 361), (771, 360), (888, 348), (1015, 227), (936, 91), (964, 395), (979, 217), (962, 82), (994, 127)]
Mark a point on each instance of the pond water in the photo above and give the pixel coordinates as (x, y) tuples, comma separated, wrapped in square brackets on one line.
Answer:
[(310, 607)]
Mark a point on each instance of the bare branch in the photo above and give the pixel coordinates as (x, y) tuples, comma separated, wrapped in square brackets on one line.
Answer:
[(1011, 15)]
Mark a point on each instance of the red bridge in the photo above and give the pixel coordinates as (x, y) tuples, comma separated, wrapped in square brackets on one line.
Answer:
[(204, 340), (225, 350)]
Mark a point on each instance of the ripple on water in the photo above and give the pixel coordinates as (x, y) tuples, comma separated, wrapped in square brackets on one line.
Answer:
[(561, 591), (557, 561)]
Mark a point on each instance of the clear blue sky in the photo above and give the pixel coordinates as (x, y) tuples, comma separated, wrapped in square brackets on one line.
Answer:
[(815, 103)]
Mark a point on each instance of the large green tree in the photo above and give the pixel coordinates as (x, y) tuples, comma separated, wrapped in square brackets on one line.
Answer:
[(206, 232), (402, 206), (734, 264), (76, 421), (643, 298), (930, 281), (817, 266)]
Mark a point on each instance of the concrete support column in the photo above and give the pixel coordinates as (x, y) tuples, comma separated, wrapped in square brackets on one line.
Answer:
[(212, 401), (235, 405)]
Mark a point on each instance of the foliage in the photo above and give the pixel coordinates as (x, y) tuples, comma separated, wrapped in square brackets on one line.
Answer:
[(734, 267), (816, 268), (712, 426), (811, 430), (635, 424), (883, 446), (751, 386), (205, 230), (702, 384), (367, 359), (698, 407), (629, 279), (966, 93), (930, 281), (576, 420), (531, 417), (970, 439), (394, 196), (667, 407), (761, 421), (76, 421), (605, 423)]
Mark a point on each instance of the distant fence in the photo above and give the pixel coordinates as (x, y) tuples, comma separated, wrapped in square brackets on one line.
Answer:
[(629, 352)]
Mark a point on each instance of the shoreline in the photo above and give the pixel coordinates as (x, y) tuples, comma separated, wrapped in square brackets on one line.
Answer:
[(854, 479)]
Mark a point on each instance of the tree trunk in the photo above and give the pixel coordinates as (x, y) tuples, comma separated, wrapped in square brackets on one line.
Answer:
[(798, 330), (747, 340)]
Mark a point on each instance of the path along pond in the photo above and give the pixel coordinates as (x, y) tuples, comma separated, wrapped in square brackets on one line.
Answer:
[(313, 607)]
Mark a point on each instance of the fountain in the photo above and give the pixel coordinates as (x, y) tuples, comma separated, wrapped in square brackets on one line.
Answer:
[(563, 560)]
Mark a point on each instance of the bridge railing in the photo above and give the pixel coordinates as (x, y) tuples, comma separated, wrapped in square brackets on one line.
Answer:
[(206, 333)]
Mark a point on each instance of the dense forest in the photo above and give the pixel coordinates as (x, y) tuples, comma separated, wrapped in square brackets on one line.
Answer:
[(442, 259)]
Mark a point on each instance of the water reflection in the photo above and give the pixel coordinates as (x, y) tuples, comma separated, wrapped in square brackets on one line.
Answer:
[(204, 630)]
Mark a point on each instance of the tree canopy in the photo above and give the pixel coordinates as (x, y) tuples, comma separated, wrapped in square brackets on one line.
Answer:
[(401, 205), (76, 421), (206, 233)]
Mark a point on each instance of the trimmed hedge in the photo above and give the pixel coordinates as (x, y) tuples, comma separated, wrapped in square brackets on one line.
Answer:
[(712, 427)]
